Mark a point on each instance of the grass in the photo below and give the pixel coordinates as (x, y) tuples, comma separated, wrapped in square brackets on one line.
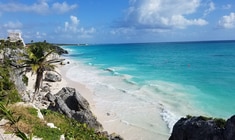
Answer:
[(71, 128), (23, 121), (47, 133), (28, 123)]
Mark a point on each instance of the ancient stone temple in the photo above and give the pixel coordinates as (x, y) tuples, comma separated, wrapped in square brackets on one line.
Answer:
[(15, 36)]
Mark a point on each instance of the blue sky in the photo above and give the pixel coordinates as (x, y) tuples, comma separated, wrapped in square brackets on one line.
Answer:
[(118, 21)]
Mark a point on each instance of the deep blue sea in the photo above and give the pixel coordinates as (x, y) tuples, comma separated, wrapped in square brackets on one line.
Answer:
[(177, 79)]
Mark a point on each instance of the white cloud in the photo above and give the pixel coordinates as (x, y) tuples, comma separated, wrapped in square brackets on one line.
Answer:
[(63, 7), (13, 25), (227, 22), (41, 7), (72, 27), (161, 14), (226, 7), (211, 7), (40, 35)]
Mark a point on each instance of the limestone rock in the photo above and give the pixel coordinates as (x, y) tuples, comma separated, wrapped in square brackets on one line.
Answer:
[(52, 76), (199, 128), (73, 105), (229, 132), (45, 88), (60, 50), (112, 136), (115, 136)]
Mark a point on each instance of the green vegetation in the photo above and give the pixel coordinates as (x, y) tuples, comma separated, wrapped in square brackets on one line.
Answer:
[(36, 59), (47, 133), (8, 44), (219, 121), (206, 118), (25, 79), (189, 117), (13, 121), (71, 128), (23, 121), (8, 91)]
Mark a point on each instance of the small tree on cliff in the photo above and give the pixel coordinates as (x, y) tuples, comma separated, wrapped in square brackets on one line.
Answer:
[(36, 60)]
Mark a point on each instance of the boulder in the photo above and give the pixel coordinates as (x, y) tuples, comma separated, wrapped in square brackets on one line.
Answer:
[(115, 136), (202, 128), (45, 88), (229, 132), (112, 136), (52, 76), (69, 102)]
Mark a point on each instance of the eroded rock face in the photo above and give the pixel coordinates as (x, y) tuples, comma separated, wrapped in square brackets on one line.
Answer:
[(229, 132), (199, 128), (73, 105), (52, 76), (60, 50)]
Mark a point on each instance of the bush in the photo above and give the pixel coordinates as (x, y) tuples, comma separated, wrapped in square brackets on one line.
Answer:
[(220, 122), (25, 79), (8, 91), (70, 127)]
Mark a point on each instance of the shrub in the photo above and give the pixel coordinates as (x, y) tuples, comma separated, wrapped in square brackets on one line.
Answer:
[(220, 122), (70, 127), (8, 91), (25, 79)]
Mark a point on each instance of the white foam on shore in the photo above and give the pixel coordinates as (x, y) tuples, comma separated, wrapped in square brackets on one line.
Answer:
[(169, 118), (148, 111)]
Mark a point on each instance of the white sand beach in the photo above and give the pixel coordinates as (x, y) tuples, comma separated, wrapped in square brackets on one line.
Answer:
[(109, 120)]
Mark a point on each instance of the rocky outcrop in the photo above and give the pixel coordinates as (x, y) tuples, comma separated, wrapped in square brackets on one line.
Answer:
[(16, 73), (52, 76), (73, 105), (229, 131), (60, 50), (112, 136), (202, 128)]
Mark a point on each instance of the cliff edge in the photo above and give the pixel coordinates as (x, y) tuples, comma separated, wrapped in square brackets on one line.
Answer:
[(202, 128)]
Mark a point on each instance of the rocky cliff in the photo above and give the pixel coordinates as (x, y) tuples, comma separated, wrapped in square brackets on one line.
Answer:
[(70, 103), (202, 128), (14, 55)]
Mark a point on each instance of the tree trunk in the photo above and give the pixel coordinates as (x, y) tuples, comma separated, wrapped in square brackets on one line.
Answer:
[(38, 82)]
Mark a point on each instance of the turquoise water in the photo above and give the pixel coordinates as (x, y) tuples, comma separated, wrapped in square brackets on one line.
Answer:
[(186, 78)]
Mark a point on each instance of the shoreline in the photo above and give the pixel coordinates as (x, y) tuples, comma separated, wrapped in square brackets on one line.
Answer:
[(110, 120)]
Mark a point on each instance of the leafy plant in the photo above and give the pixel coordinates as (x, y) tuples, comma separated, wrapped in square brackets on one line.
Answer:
[(25, 79), (72, 129), (31, 124), (8, 114), (220, 122), (189, 116), (8, 91), (36, 59)]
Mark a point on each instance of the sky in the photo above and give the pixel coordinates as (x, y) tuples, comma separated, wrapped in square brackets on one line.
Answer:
[(118, 21)]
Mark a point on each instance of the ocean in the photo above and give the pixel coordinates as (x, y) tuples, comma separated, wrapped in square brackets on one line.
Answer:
[(151, 85)]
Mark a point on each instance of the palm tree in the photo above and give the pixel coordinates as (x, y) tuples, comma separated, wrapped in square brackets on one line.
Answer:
[(36, 59)]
